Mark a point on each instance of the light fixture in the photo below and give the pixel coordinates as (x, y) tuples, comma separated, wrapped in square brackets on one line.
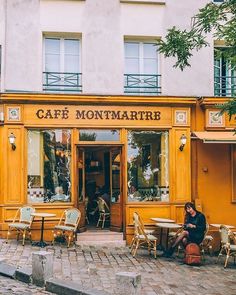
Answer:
[(183, 140), (12, 140)]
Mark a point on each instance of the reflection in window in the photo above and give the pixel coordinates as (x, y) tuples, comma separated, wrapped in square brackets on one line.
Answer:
[(148, 166), (49, 159), (99, 135)]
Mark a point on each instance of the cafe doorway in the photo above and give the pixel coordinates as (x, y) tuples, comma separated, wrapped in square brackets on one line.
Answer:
[(99, 178)]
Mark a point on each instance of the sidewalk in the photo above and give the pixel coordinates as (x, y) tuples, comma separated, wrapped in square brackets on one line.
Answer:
[(95, 267)]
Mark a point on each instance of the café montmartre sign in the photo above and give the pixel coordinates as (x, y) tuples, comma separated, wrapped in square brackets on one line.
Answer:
[(117, 115), (98, 114)]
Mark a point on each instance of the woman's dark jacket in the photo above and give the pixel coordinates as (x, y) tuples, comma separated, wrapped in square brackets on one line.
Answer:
[(196, 235)]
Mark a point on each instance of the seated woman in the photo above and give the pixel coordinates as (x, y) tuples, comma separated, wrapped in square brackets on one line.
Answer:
[(194, 228)]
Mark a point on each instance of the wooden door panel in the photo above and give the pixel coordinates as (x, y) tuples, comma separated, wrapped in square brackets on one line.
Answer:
[(81, 187), (116, 190), (116, 217)]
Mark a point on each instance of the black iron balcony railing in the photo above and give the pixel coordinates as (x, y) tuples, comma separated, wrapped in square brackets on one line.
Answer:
[(142, 84), (59, 81), (225, 85)]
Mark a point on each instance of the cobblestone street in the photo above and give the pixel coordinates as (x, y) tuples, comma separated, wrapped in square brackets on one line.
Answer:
[(13, 287), (95, 267)]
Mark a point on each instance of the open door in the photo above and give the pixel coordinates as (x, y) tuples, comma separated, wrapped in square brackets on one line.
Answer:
[(116, 211), (81, 188)]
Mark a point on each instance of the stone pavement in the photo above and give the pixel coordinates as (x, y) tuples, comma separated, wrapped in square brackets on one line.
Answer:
[(95, 267), (13, 287)]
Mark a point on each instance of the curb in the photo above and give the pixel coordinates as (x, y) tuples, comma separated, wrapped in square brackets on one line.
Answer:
[(61, 287), (55, 286)]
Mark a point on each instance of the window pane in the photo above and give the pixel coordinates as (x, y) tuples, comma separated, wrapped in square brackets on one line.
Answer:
[(148, 166), (49, 161), (52, 63), (150, 66), (99, 135), (52, 55), (71, 47), (71, 64), (149, 50), (52, 46), (132, 50), (131, 66)]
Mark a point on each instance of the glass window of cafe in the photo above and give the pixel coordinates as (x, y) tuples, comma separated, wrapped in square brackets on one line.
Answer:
[(148, 166), (49, 166)]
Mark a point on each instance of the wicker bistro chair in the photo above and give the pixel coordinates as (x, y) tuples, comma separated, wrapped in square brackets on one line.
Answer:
[(228, 244), (142, 238), (67, 225), (104, 212), (22, 223), (206, 244), (147, 231)]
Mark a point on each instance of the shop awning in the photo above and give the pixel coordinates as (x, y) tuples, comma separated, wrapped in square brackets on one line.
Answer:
[(215, 137)]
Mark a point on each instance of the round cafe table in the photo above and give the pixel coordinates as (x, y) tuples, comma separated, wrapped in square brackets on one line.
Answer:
[(167, 226), (165, 220), (41, 243), (157, 219)]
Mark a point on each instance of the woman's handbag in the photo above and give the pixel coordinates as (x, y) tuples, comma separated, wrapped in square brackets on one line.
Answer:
[(192, 254)]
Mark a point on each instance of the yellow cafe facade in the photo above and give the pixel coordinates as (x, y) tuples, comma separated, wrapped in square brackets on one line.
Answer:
[(149, 155)]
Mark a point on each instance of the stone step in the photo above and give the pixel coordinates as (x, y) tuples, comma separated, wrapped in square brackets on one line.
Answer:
[(100, 236), (104, 237), (102, 243)]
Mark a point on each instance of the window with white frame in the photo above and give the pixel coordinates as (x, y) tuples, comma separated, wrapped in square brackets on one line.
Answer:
[(224, 75), (141, 68), (62, 64)]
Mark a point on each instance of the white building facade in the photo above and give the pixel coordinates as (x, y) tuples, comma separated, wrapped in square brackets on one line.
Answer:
[(100, 42)]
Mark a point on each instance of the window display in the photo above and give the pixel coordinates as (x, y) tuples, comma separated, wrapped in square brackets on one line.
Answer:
[(49, 161), (148, 166)]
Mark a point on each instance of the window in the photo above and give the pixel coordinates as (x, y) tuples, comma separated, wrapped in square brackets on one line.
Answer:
[(224, 75), (49, 161), (62, 64), (148, 166), (141, 68), (99, 135)]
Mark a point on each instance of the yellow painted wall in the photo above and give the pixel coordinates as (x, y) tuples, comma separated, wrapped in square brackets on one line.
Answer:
[(200, 171), (214, 182)]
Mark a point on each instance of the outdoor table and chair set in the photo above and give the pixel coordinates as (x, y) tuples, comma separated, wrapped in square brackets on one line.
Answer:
[(170, 230), (64, 230)]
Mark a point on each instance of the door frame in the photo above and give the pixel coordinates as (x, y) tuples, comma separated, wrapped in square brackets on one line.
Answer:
[(85, 145)]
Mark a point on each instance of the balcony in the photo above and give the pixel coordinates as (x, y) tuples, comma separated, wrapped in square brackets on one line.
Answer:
[(62, 82), (225, 86), (142, 84)]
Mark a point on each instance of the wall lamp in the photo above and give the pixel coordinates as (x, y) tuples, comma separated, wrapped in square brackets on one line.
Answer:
[(12, 140), (183, 140)]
